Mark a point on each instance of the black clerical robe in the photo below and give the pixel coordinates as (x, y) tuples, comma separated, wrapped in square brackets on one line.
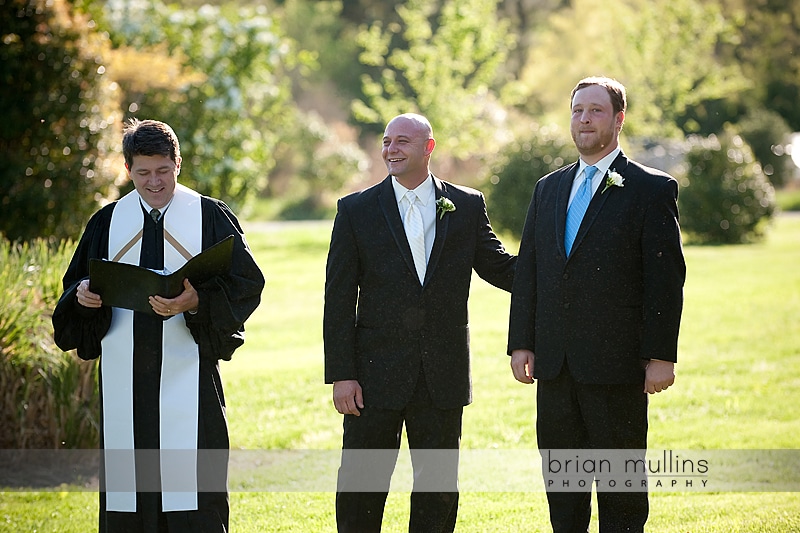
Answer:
[(217, 329)]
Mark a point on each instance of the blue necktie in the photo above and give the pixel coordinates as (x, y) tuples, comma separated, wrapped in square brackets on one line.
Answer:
[(578, 208)]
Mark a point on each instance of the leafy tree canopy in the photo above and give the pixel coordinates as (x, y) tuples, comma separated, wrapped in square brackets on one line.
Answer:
[(664, 53), (59, 134), (443, 61), (230, 90)]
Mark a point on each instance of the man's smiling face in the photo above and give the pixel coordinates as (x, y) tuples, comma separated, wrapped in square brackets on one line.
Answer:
[(407, 147), (155, 177)]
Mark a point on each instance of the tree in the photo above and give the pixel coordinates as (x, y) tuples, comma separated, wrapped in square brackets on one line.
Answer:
[(664, 53), (768, 40), (229, 106), (59, 133), (322, 31), (526, 20), (325, 165), (442, 61)]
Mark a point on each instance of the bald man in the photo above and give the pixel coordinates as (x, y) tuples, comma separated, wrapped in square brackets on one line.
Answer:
[(396, 330)]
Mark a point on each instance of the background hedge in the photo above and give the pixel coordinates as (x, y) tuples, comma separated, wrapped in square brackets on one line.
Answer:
[(49, 398)]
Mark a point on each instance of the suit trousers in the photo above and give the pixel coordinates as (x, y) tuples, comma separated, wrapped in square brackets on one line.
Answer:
[(579, 416), (370, 448)]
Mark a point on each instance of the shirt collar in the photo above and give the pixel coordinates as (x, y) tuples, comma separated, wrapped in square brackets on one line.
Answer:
[(602, 165), (162, 210), (424, 191)]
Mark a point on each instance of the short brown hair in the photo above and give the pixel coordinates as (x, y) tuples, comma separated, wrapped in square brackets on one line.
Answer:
[(616, 91), (149, 137)]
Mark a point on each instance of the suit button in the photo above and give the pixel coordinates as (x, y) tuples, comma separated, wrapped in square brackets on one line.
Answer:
[(565, 276), (566, 305)]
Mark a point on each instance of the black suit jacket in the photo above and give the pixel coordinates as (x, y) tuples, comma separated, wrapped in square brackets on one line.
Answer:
[(617, 300), (381, 326)]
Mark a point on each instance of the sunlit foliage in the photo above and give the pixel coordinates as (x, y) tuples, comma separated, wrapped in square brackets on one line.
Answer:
[(442, 60), (60, 126), (227, 107), (664, 53)]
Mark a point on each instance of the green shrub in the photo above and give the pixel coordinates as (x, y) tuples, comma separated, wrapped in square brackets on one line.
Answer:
[(521, 165), (49, 398), (725, 196), (325, 166), (768, 135)]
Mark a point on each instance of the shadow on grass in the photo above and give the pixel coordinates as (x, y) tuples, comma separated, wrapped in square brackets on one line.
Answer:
[(43, 470)]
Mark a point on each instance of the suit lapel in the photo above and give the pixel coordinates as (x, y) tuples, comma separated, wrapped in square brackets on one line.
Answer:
[(391, 212), (562, 199), (599, 198), (441, 229)]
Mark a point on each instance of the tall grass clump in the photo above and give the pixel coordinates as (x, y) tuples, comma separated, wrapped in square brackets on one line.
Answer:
[(48, 398)]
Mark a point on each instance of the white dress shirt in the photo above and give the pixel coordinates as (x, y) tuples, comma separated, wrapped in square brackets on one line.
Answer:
[(426, 193), (599, 176)]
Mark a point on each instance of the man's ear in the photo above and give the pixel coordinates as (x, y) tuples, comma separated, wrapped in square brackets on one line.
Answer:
[(429, 146)]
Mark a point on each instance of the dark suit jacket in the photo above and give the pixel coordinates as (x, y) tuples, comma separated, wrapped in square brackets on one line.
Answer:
[(381, 326), (617, 300)]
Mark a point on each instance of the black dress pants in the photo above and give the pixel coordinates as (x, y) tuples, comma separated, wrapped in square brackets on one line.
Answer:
[(370, 448), (579, 416)]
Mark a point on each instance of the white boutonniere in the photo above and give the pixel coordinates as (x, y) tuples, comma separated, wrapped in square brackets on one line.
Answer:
[(614, 179), (444, 205)]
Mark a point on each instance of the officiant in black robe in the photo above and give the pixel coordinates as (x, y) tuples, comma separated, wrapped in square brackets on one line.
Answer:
[(164, 430)]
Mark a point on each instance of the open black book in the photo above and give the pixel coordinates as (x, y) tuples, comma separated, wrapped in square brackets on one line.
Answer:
[(130, 286)]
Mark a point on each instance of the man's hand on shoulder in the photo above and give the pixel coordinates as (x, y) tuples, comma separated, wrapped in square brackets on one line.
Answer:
[(659, 375), (347, 397), (522, 365)]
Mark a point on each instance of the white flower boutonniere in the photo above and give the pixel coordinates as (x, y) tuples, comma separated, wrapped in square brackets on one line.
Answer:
[(614, 179), (444, 205)]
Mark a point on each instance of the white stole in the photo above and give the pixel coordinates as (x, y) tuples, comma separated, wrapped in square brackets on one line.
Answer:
[(179, 389)]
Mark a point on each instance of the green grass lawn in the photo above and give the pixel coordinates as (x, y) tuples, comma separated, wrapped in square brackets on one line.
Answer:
[(737, 388)]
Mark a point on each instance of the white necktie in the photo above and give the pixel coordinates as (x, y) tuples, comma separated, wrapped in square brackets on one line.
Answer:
[(415, 233), (578, 208)]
